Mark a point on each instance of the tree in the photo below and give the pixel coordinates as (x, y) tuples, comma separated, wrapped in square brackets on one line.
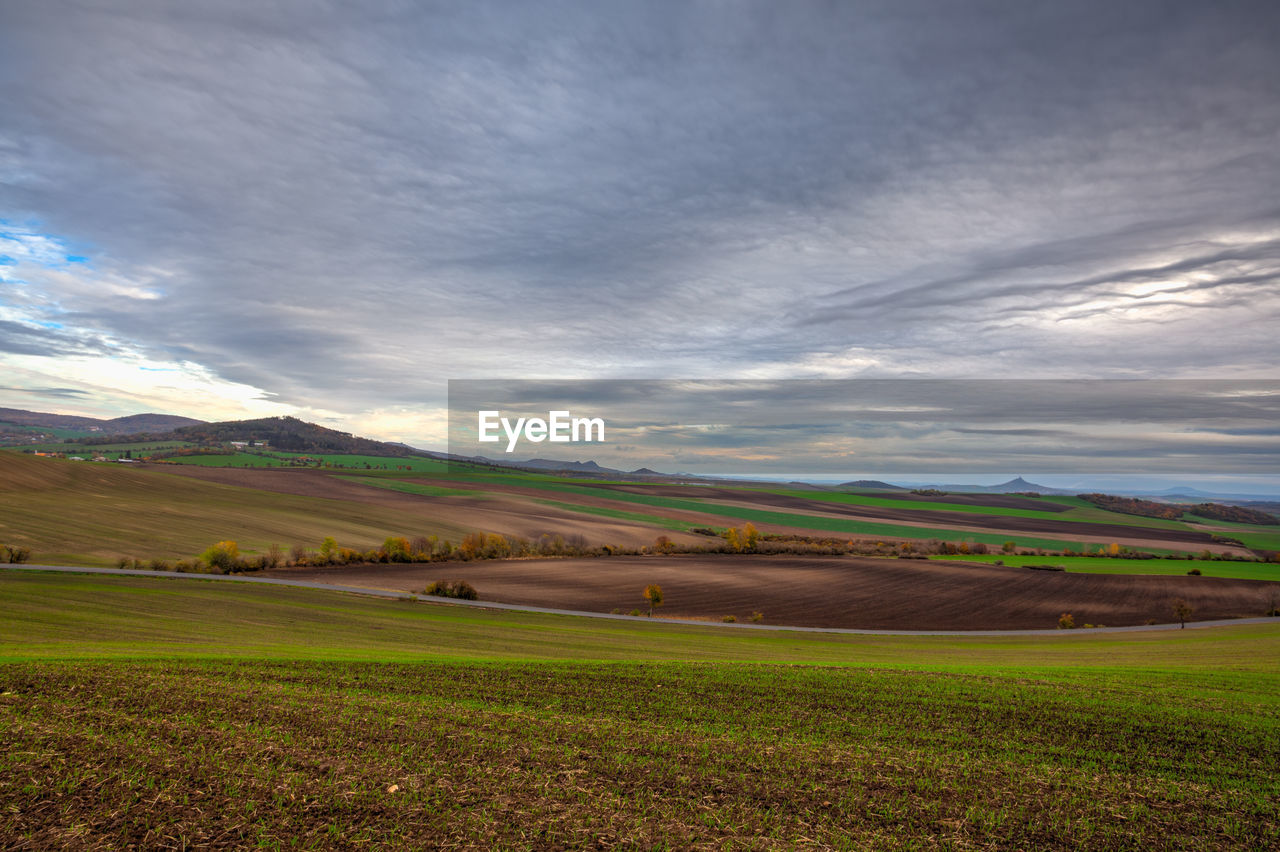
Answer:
[(329, 549), (1066, 621), (1182, 610), (396, 548), (222, 556), (653, 594), (750, 536)]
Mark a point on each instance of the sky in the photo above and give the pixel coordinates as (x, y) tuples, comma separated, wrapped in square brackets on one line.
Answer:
[(1148, 434), (238, 209)]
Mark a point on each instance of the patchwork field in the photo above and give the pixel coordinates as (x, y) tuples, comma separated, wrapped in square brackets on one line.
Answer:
[(164, 712), (891, 594)]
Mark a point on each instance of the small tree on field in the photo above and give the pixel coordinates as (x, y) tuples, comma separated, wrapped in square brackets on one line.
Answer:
[(1182, 610), (222, 556), (329, 549), (653, 594), (750, 536), (735, 541), (1066, 621), (1009, 546)]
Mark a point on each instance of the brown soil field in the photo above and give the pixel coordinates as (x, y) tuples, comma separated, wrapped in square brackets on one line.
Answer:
[(513, 510), (1044, 527), (499, 513), (825, 591), (722, 514), (999, 501)]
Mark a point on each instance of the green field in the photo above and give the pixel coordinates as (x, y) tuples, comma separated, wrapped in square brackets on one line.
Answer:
[(1256, 536), (1082, 511), (158, 711), (1103, 565)]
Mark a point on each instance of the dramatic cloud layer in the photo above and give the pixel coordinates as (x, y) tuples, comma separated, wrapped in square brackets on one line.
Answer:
[(224, 208)]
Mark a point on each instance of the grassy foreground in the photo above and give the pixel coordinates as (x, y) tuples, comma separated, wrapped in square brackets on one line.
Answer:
[(167, 712)]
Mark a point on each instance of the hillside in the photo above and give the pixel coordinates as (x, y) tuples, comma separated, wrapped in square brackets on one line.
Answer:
[(288, 434), (116, 426), (85, 513)]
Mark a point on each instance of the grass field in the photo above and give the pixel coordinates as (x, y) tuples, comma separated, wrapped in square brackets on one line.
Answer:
[(79, 513), (165, 712), (1082, 511), (1170, 567), (1256, 536)]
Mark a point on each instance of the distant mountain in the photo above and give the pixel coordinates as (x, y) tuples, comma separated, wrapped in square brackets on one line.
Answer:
[(872, 485), (115, 426), (1013, 485), (559, 464)]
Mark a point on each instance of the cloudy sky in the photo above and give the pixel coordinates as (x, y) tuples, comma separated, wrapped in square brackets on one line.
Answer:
[(225, 209), (1221, 435)]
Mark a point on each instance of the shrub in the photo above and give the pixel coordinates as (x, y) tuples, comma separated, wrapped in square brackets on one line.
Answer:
[(14, 555), (472, 546), (182, 566), (273, 557), (460, 589), (757, 617), (396, 549), (496, 547), (730, 619), (298, 555), (663, 544), (1194, 572), (159, 565), (222, 556), (123, 563), (635, 612), (1066, 621), (1009, 546), (329, 550)]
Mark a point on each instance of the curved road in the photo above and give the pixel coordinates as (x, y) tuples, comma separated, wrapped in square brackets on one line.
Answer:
[(387, 593)]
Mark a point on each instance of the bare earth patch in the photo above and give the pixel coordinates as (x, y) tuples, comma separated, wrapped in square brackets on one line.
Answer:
[(898, 594)]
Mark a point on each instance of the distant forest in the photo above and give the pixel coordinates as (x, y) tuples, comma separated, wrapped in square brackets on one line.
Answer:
[(1174, 511)]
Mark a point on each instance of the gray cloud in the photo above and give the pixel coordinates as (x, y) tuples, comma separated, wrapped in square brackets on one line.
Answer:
[(879, 426), (52, 393), (344, 205)]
